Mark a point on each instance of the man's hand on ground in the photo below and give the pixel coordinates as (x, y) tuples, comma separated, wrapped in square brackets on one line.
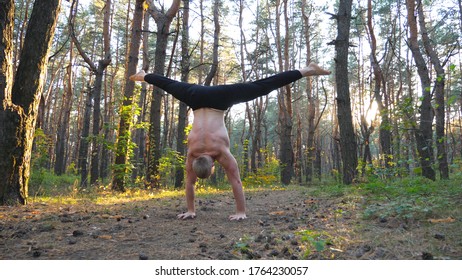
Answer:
[(237, 217), (187, 215)]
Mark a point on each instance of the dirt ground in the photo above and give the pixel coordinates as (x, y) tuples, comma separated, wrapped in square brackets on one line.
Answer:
[(281, 224)]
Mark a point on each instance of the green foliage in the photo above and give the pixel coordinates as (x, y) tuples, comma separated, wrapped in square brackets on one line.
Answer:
[(125, 145), (313, 240), (41, 153), (168, 163), (45, 183), (267, 175), (407, 198)]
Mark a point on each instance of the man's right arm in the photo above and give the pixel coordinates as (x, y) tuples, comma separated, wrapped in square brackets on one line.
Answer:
[(189, 189)]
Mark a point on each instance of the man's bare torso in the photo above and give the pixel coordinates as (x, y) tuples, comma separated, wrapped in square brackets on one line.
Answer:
[(208, 134)]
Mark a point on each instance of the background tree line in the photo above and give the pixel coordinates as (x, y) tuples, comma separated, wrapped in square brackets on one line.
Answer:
[(391, 108)]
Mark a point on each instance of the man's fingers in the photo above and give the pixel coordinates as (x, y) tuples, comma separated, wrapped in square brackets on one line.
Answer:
[(185, 216)]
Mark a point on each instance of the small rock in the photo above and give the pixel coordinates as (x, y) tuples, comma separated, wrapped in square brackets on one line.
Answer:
[(77, 233), (192, 240), (287, 237), (293, 227), (427, 256), (36, 254), (143, 257), (383, 220), (222, 235), (439, 236), (72, 241), (259, 238), (274, 253)]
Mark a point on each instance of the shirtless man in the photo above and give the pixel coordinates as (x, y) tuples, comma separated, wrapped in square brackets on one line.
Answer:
[(208, 140)]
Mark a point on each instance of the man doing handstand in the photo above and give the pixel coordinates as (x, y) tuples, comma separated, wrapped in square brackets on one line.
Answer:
[(208, 140)]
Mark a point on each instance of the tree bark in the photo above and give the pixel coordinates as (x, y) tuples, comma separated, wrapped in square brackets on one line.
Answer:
[(183, 108), (347, 135), (286, 155), (424, 133), (385, 135), (163, 21), (310, 146), (18, 111), (98, 70), (121, 170), (140, 134), (439, 96)]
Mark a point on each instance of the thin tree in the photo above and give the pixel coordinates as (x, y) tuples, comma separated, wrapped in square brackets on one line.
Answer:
[(423, 134), (163, 21), (99, 70), (347, 139), (140, 133), (310, 144), (121, 170), (62, 136), (438, 93), (183, 108), (20, 100), (380, 92), (286, 155)]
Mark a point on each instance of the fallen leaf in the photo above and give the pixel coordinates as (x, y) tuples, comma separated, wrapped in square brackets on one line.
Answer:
[(105, 237), (447, 220), (277, 213)]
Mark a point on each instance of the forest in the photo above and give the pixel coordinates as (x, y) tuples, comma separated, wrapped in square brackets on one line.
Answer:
[(386, 123)]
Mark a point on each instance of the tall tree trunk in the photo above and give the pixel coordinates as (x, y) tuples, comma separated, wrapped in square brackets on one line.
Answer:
[(84, 143), (424, 134), (140, 134), (11, 191), (99, 71), (121, 170), (163, 21), (439, 96), (98, 86), (183, 108), (216, 38), (310, 146), (347, 135), (63, 128), (286, 154), (380, 87), (19, 107)]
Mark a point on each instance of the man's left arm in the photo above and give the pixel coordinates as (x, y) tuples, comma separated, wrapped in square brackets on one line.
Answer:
[(229, 163)]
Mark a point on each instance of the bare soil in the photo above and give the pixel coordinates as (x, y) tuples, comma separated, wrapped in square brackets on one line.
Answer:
[(281, 224)]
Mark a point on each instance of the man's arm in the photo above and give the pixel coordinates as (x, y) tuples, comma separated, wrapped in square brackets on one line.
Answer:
[(229, 163), (190, 182)]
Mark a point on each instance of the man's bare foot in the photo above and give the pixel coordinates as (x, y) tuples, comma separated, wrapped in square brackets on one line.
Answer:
[(237, 217), (313, 70), (187, 215), (138, 77)]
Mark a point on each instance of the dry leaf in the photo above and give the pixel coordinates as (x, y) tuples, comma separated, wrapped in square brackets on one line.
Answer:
[(105, 237), (447, 220), (277, 213)]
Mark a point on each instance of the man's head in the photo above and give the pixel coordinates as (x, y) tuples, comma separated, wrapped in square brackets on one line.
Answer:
[(203, 166)]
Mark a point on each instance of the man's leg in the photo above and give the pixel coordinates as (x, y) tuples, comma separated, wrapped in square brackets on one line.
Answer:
[(179, 90), (244, 92)]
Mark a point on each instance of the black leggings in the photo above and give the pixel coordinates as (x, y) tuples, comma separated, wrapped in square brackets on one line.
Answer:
[(221, 97)]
